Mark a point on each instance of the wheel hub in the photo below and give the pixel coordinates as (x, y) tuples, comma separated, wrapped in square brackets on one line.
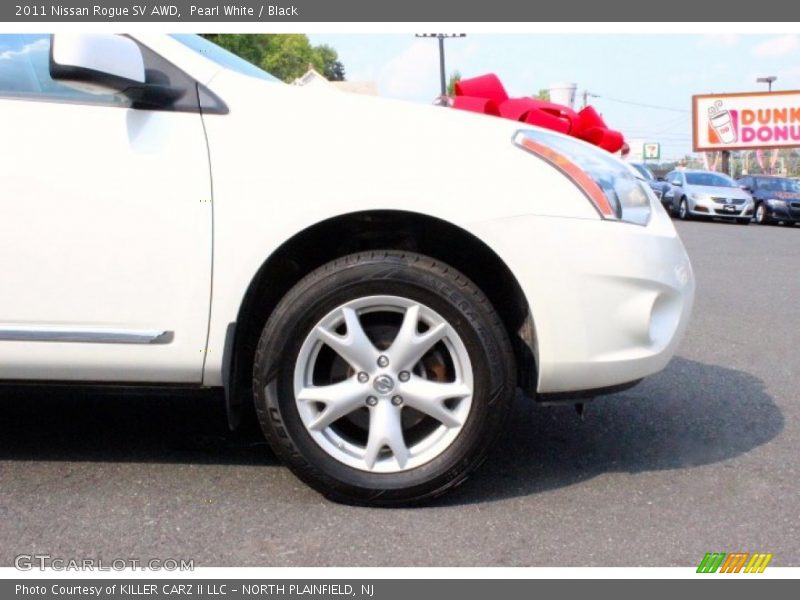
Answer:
[(383, 384)]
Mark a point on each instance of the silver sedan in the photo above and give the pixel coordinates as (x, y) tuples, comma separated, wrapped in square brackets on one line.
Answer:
[(698, 194)]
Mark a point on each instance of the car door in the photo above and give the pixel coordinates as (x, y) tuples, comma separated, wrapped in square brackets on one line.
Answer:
[(678, 188), (105, 231), (753, 188), (669, 190)]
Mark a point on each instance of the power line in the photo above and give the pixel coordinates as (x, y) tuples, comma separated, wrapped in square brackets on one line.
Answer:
[(671, 125), (669, 138), (653, 106)]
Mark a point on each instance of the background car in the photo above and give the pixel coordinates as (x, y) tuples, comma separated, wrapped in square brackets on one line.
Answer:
[(699, 194), (777, 199), (658, 186)]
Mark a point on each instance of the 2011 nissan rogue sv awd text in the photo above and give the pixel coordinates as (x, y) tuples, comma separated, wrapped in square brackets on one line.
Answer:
[(378, 277)]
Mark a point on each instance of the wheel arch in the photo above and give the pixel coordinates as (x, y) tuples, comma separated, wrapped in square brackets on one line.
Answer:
[(362, 231)]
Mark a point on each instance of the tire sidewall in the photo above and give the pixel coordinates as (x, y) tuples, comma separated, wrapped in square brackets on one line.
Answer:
[(386, 274), (761, 214)]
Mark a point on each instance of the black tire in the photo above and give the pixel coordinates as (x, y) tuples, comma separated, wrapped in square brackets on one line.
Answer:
[(421, 279), (762, 218), (683, 210)]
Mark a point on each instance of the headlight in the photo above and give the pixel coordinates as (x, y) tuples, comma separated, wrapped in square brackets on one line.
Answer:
[(607, 182), (774, 203)]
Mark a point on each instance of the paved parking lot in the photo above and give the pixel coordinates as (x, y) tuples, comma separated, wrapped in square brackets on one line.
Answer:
[(701, 457)]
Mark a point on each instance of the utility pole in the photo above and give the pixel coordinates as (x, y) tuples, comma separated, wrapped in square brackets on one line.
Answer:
[(726, 162), (586, 95), (441, 37), (768, 80)]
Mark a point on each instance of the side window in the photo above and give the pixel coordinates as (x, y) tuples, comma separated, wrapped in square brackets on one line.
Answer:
[(25, 73)]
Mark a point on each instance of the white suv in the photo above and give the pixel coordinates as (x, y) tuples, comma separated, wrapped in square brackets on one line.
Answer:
[(377, 277)]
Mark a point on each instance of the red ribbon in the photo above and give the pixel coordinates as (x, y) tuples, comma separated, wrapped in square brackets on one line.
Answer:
[(485, 94)]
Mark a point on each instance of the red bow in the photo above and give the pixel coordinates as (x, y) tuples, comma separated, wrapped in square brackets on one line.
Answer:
[(485, 94)]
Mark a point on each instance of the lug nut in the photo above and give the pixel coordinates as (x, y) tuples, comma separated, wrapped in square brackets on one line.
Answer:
[(404, 376), (363, 377), (383, 361), (397, 400), (372, 401)]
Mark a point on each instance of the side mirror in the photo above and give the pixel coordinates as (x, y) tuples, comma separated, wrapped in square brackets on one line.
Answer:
[(97, 63)]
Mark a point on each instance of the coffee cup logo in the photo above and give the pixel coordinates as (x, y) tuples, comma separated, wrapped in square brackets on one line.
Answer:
[(721, 122)]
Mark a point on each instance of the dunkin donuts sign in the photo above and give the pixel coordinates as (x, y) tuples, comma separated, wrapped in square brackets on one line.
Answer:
[(746, 121)]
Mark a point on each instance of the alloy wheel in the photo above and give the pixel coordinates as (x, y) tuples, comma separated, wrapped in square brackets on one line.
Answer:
[(383, 384)]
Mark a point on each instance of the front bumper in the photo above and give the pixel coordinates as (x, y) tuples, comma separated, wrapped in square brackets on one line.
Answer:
[(789, 213), (609, 301), (706, 207)]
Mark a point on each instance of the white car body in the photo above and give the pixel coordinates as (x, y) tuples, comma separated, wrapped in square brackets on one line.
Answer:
[(153, 224)]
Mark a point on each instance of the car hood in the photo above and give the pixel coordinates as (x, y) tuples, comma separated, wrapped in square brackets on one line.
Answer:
[(350, 109), (718, 192)]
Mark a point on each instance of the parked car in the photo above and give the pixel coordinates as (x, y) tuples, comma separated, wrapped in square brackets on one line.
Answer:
[(377, 277), (777, 199), (707, 194), (659, 186)]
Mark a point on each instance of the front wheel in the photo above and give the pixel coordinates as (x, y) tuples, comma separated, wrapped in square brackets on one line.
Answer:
[(683, 210), (382, 378), (761, 214)]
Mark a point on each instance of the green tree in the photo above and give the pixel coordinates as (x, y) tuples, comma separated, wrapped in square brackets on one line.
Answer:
[(286, 56), (328, 61), (455, 77), (543, 94)]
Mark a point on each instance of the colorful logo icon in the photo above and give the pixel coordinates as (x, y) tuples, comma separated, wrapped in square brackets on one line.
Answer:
[(722, 126), (734, 562)]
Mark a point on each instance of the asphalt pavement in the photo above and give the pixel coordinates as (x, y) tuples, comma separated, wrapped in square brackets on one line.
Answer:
[(701, 457)]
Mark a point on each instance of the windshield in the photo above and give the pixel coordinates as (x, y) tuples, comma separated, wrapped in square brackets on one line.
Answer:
[(221, 56), (776, 184), (710, 179), (645, 172)]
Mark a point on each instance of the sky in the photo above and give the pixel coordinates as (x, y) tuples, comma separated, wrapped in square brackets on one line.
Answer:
[(622, 70)]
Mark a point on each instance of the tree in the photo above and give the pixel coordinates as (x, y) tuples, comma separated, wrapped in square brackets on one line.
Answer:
[(455, 77), (286, 56), (543, 94), (328, 61)]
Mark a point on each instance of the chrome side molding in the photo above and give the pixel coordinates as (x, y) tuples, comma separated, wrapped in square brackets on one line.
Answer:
[(16, 333)]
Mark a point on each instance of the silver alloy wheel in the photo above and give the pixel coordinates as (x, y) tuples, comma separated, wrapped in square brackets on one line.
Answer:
[(761, 214), (416, 395), (684, 208)]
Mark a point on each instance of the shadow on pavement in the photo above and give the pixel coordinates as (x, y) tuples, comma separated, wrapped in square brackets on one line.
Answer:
[(691, 414), (162, 426)]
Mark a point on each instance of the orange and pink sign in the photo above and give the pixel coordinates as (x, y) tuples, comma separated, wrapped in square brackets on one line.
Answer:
[(746, 121)]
